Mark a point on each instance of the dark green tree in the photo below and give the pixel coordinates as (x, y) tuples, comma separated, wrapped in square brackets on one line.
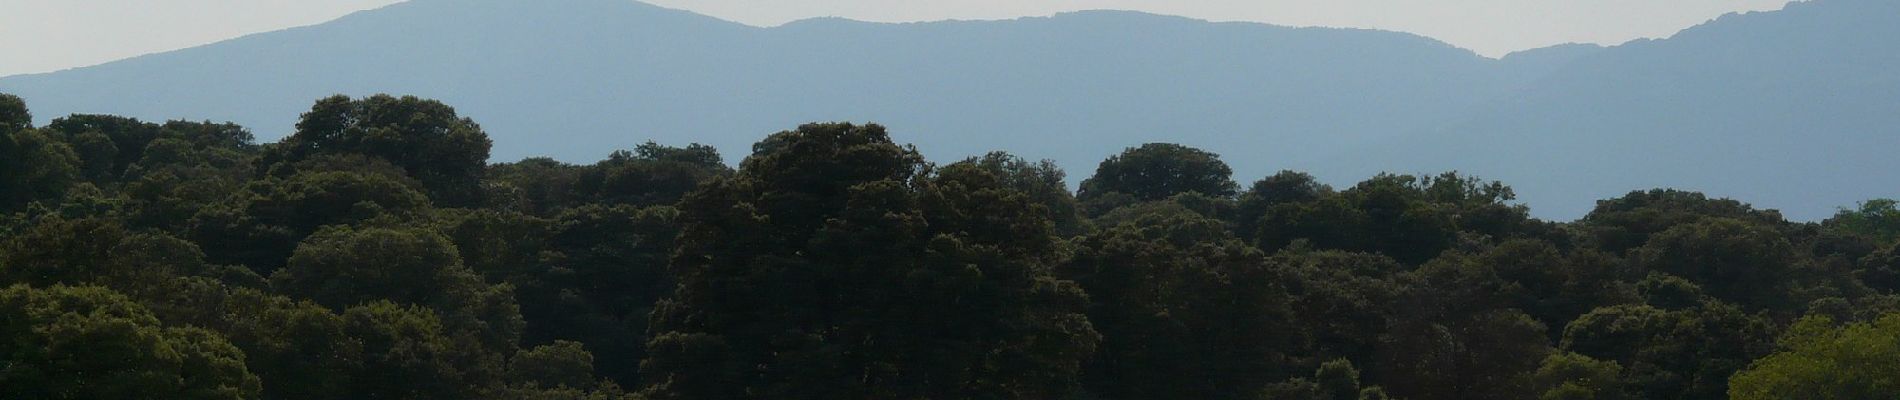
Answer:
[(1286, 187), (409, 354), (555, 365), (835, 265), (1157, 171), (651, 174), (1043, 181), (1625, 223), (1681, 354), (91, 343), (34, 168), (190, 166), (537, 186), (1181, 294), (1389, 215), (426, 138), (602, 272), (14, 116), (300, 349), (106, 144), (261, 224), (342, 267), (1733, 260)]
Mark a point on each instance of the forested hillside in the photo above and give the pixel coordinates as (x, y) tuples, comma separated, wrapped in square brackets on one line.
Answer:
[(376, 254), (1807, 97)]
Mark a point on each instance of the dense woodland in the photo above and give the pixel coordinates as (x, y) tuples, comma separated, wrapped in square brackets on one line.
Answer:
[(376, 254)]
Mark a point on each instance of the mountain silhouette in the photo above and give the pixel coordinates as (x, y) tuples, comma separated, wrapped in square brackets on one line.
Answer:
[(1792, 109)]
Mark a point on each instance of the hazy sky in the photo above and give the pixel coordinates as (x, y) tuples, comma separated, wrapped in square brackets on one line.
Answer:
[(47, 35)]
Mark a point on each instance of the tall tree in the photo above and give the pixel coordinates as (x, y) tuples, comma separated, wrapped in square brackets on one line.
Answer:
[(426, 138), (651, 174), (34, 167), (1822, 362), (14, 116), (342, 267), (835, 265), (1735, 261), (1043, 181), (91, 343), (1157, 171), (1173, 293), (106, 144)]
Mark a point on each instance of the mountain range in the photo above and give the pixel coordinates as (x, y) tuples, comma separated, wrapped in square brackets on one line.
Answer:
[(1797, 109)]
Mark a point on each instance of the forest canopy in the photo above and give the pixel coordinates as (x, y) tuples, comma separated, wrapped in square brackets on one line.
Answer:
[(376, 252)]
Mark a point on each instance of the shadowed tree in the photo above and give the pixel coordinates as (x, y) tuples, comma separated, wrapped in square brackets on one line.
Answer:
[(90, 343), (835, 265), (1680, 354), (14, 116), (446, 152), (342, 267), (106, 144), (1043, 182), (1735, 261), (1157, 171), (1177, 293), (34, 167), (651, 174), (1624, 223)]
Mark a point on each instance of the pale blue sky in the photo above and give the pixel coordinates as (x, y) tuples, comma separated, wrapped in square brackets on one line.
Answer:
[(47, 35)]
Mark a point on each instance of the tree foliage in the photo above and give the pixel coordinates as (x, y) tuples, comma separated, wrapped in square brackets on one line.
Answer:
[(1157, 171), (835, 264), (425, 138), (1821, 361), (376, 254)]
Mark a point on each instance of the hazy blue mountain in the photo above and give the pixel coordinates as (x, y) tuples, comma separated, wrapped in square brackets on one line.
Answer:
[(1797, 110), (1786, 107)]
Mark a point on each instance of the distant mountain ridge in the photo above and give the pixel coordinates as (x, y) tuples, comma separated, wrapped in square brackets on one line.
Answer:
[(574, 79)]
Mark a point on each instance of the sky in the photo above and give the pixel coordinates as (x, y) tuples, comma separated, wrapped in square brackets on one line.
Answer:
[(49, 35)]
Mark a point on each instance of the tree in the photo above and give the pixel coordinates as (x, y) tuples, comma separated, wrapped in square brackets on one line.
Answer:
[(604, 270), (189, 167), (835, 264), (342, 267), (300, 349), (1823, 362), (426, 138), (14, 116), (1405, 217), (34, 168), (555, 365), (1680, 354), (106, 144), (1877, 218), (1881, 270), (1571, 376), (1157, 171), (1180, 294), (1624, 223), (1334, 380), (1734, 260), (651, 174), (90, 343), (536, 186), (1285, 187), (260, 225), (408, 354), (1043, 181), (1342, 302)]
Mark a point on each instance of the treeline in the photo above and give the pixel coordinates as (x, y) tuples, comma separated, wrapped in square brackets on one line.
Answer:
[(375, 254)]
